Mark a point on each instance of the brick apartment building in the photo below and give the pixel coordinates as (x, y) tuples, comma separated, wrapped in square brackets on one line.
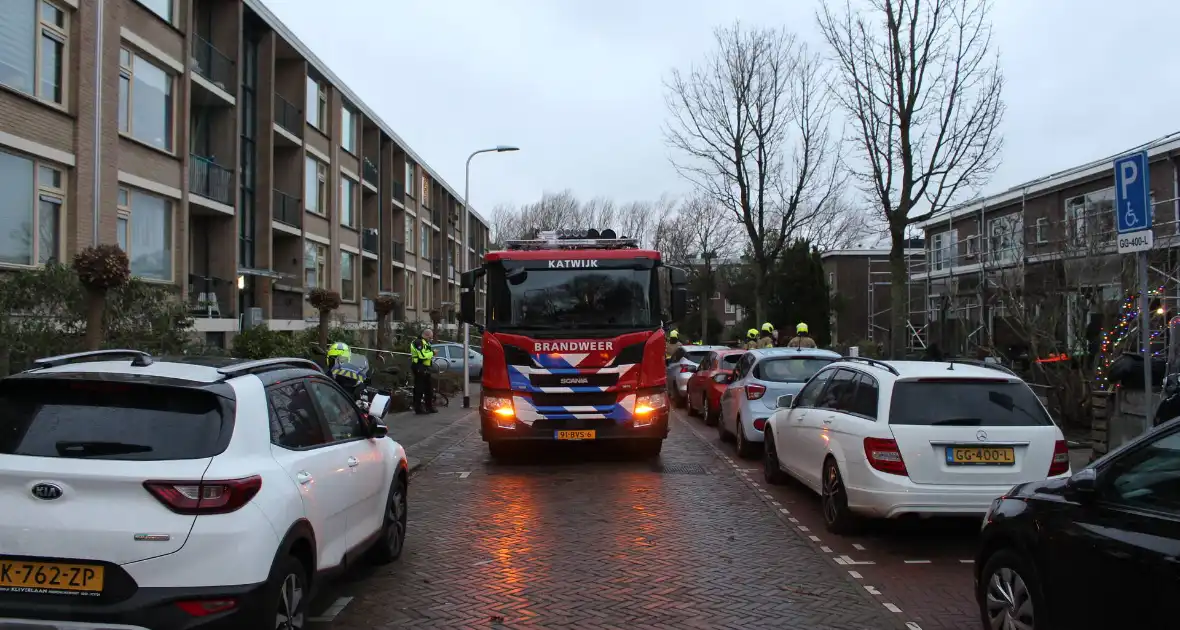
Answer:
[(1053, 236), (858, 281), (226, 158)]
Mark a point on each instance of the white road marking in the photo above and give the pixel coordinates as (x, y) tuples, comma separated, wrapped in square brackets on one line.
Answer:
[(912, 626), (775, 503), (856, 575), (967, 561), (464, 475), (333, 610), (849, 560), (784, 510), (858, 546), (917, 562), (480, 564), (825, 549), (891, 607), (795, 520), (814, 538), (804, 528), (840, 560), (872, 590)]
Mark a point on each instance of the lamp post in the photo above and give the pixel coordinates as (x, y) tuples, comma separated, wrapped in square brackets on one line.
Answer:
[(466, 265)]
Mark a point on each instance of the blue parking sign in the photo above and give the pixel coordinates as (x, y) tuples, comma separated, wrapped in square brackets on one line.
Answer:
[(1132, 193)]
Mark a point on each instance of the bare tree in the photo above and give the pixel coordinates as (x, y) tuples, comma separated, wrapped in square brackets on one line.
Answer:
[(921, 85), (841, 224), (750, 128), (636, 219)]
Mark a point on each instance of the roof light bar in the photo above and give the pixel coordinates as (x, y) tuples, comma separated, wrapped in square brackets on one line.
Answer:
[(580, 243)]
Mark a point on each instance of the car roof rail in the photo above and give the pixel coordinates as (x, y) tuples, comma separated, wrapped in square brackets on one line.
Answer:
[(138, 358), (875, 363), (983, 364), (249, 367)]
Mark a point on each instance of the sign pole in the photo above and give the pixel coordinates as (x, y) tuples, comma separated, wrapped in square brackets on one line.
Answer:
[(1145, 338), (1134, 217)]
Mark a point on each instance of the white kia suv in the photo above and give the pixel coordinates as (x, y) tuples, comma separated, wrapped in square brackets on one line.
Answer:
[(193, 493), (897, 438)]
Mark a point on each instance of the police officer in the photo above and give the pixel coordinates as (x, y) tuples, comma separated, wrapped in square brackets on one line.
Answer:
[(421, 360), (751, 339), (802, 338), (766, 336)]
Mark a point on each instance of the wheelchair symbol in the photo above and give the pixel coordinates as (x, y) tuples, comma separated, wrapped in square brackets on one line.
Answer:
[(1131, 218)]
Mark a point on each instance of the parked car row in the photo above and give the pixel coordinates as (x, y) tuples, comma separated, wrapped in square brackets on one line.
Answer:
[(144, 493)]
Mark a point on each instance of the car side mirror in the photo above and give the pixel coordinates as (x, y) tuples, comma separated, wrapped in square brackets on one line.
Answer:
[(784, 401), (1171, 383), (1083, 485), (379, 431), (690, 368), (721, 378), (379, 406)]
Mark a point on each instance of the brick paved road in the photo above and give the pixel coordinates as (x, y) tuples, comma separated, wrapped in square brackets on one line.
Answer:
[(586, 540)]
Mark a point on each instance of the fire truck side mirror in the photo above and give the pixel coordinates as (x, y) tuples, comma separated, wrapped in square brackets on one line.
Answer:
[(467, 279), (679, 303), (467, 306)]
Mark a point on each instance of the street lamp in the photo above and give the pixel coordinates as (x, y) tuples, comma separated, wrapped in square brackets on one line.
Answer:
[(466, 266)]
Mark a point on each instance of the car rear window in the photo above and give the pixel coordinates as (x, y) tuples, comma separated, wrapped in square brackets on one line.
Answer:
[(730, 361), (966, 403), (789, 370), (696, 356), (105, 420)]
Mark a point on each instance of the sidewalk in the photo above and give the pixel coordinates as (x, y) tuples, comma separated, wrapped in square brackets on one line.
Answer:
[(424, 437)]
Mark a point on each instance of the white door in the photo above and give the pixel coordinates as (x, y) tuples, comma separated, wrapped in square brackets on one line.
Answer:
[(818, 429), (791, 452), (971, 432), (364, 462), (316, 465)]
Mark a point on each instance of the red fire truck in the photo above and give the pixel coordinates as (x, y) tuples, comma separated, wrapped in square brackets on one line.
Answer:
[(573, 340)]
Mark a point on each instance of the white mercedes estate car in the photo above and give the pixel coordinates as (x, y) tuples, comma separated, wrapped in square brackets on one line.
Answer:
[(890, 439)]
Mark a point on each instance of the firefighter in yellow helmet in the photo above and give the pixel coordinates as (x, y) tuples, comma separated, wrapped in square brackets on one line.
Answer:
[(751, 339), (672, 345), (766, 336), (802, 338)]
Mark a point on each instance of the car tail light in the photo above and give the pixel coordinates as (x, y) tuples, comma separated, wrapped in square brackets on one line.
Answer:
[(688, 369), (754, 392), (205, 497), (759, 424), (1060, 464), (206, 607), (884, 456)]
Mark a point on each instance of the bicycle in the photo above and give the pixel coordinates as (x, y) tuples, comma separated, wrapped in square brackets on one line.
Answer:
[(406, 388)]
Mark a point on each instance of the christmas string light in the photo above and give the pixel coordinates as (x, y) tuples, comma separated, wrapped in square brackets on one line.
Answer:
[(1114, 338)]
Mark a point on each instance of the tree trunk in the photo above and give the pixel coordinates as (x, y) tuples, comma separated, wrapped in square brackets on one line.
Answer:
[(324, 321), (759, 295), (899, 286), (382, 331), (95, 305)]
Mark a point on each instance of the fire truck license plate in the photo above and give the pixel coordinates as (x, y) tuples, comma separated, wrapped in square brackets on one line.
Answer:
[(575, 435)]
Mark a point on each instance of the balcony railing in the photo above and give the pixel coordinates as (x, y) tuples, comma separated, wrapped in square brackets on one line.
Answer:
[(288, 116), (209, 297), (211, 180), (369, 172), (369, 240), (399, 192), (399, 252), (288, 209), (213, 65)]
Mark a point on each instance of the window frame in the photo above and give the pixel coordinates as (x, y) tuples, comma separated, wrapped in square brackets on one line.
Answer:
[(1107, 472), (411, 290), (351, 205), (411, 171), (411, 235), (319, 104), (351, 297), (825, 374), (41, 29), (424, 234), (125, 213), (427, 292), (331, 386), (170, 19), (325, 434), (319, 267), (348, 129), (1040, 227), (321, 191), (48, 193), (127, 71)]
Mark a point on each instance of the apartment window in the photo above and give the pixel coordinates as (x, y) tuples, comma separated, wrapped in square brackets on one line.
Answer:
[(1092, 213), (411, 289), (315, 186), (410, 183), (426, 286), (315, 265), (424, 250), (347, 202), (32, 214), (144, 231), (411, 238), (145, 101), (943, 248), (33, 48), (973, 246), (348, 130), (425, 191), (1041, 230), (317, 104), (832, 281), (162, 8), (1005, 238), (729, 308), (348, 276)]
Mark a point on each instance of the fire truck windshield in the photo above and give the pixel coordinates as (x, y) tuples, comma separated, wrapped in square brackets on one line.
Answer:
[(538, 299)]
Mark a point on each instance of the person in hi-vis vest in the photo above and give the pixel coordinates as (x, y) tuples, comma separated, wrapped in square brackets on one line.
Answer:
[(802, 338), (421, 364)]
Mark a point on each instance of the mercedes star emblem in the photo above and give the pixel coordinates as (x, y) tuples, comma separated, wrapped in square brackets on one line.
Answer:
[(981, 436)]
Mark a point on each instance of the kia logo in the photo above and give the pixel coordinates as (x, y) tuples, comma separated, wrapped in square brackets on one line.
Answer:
[(981, 436), (47, 491)]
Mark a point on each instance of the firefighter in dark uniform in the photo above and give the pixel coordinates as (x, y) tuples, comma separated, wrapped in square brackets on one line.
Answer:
[(421, 362)]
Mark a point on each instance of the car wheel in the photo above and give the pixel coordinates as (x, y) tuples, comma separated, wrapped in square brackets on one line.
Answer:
[(772, 470), (1009, 593), (692, 409), (709, 416), (722, 432), (834, 501), (745, 448), (285, 605), (393, 533)]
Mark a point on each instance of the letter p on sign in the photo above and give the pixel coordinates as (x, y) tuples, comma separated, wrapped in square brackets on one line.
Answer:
[(1130, 173)]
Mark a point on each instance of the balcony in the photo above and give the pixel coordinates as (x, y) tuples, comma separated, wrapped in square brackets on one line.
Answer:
[(209, 297), (399, 192), (399, 252), (369, 172), (369, 240), (214, 65), (288, 116), (210, 180), (288, 209)]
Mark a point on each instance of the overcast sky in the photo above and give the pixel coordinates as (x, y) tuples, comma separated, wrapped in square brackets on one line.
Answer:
[(577, 84)]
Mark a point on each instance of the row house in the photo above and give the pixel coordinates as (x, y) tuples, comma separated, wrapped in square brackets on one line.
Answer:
[(1039, 261), (224, 157)]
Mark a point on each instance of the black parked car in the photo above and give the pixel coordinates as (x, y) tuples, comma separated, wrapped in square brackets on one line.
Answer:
[(1098, 550)]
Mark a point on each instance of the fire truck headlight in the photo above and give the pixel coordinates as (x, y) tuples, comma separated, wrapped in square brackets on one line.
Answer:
[(501, 409), (648, 406)]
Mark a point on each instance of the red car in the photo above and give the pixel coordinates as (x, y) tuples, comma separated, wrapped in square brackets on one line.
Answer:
[(707, 384)]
